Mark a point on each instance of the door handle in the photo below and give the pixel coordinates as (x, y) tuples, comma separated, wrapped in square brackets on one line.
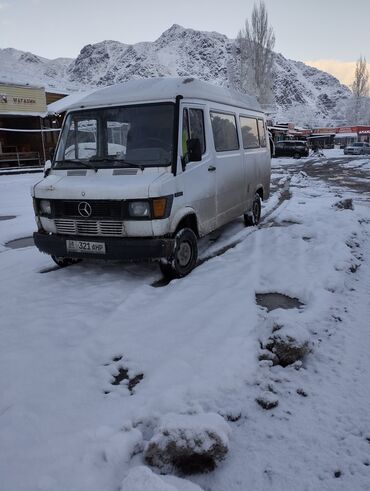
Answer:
[(211, 168)]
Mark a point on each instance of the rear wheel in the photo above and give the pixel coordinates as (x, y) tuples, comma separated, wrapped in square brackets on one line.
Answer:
[(254, 216), (184, 257), (63, 262)]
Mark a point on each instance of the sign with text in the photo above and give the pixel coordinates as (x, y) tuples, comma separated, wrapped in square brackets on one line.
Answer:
[(21, 100)]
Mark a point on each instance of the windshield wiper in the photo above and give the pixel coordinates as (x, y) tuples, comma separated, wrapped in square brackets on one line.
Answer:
[(75, 161), (111, 158)]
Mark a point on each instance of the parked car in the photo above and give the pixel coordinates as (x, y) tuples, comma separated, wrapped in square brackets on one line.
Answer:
[(145, 168), (358, 148), (291, 148)]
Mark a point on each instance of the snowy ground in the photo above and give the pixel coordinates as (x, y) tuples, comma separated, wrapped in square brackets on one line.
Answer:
[(192, 347)]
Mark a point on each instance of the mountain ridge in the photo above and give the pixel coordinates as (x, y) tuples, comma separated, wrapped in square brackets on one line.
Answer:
[(302, 93)]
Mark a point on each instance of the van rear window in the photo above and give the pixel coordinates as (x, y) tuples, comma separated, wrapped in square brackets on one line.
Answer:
[(224, 131), (249, 132), (262, 132)]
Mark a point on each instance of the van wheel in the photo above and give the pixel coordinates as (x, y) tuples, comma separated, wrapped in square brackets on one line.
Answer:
[(297, 155), (63, 262), (253, 217), (184, 256)]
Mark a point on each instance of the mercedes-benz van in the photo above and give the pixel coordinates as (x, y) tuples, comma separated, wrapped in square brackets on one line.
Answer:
[(145, 168)]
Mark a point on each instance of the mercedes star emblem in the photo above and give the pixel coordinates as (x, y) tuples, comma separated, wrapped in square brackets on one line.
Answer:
[(84, 209)]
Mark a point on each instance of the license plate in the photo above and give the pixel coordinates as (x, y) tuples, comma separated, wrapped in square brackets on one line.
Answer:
[(84, 246)]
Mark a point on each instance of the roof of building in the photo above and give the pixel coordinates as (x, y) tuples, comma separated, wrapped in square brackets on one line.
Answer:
[(152, 89)]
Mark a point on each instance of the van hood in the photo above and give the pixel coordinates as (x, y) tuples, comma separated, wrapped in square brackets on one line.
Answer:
[(97, 185)]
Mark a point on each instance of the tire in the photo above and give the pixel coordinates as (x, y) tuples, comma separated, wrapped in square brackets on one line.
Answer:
[(297, 155), (63, 262), (254, 216), (184, 257)]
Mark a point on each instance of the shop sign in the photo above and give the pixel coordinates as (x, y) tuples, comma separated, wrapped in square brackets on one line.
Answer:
[(15, 99)]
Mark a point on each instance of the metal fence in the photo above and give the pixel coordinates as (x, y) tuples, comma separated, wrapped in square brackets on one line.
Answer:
[(20, 159)]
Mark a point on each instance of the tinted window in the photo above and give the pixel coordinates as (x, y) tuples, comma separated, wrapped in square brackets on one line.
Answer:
[(262, 132), (224, 131), (249, 132)]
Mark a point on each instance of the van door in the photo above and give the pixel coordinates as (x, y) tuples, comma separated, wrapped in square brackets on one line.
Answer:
[(199, 177), (230, 167)]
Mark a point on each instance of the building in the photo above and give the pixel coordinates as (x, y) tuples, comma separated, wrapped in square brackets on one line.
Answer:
[(320, 137), (349, 134), (26, 133)]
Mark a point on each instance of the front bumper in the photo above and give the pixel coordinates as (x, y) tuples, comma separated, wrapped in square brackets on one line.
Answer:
[(132, 249)]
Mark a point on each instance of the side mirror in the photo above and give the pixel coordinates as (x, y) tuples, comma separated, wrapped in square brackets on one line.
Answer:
[(194, 150), (47, 167)]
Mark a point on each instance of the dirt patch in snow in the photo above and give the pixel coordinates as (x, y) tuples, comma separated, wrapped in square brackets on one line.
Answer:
[(189, 444), (122, 377)]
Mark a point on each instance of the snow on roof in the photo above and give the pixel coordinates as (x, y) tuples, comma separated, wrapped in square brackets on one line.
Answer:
[(164, 89), (65, 103)]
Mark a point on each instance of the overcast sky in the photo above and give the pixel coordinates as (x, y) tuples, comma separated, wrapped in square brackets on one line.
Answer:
[(305, 29)]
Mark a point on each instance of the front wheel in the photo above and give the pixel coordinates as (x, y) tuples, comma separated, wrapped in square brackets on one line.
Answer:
[(254, 216), (63, 262), (184, 257)]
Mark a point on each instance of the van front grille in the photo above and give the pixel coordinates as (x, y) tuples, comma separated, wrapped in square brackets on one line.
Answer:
[(100, 209), (103, 228)]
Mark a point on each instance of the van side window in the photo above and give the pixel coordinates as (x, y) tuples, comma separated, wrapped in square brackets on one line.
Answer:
[(249, 132), (193, 127), (185, 131), (262, 132), (196, 123), (224, 131)]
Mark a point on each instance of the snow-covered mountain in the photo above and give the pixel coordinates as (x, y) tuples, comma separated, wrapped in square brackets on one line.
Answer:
[(301, 92)]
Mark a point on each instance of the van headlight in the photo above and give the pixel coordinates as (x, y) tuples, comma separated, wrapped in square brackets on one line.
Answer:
[(45, 207), (139, 209)]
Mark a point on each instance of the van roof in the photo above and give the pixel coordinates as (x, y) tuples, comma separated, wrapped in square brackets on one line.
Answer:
[(161, 88)]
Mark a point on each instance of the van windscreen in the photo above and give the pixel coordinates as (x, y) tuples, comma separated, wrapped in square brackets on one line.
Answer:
[(140, 135)]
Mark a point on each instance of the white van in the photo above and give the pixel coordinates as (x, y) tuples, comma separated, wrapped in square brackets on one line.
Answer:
[(145, 168)]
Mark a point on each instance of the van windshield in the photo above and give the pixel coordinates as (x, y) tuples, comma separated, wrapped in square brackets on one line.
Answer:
[(127, 136)]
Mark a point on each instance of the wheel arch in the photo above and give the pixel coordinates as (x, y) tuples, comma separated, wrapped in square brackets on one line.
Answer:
[(260, 191), (185, 218)]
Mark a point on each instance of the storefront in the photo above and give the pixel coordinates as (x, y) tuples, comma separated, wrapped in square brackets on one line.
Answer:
[(341, 136), (287, 131), (322, 138), (25, 136)]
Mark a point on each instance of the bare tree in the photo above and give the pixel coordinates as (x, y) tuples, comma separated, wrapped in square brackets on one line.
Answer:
[(360, 86), (254, 54), (358, 107)]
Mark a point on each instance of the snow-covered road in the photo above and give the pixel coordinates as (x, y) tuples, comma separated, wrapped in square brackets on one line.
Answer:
[(192, 346)]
